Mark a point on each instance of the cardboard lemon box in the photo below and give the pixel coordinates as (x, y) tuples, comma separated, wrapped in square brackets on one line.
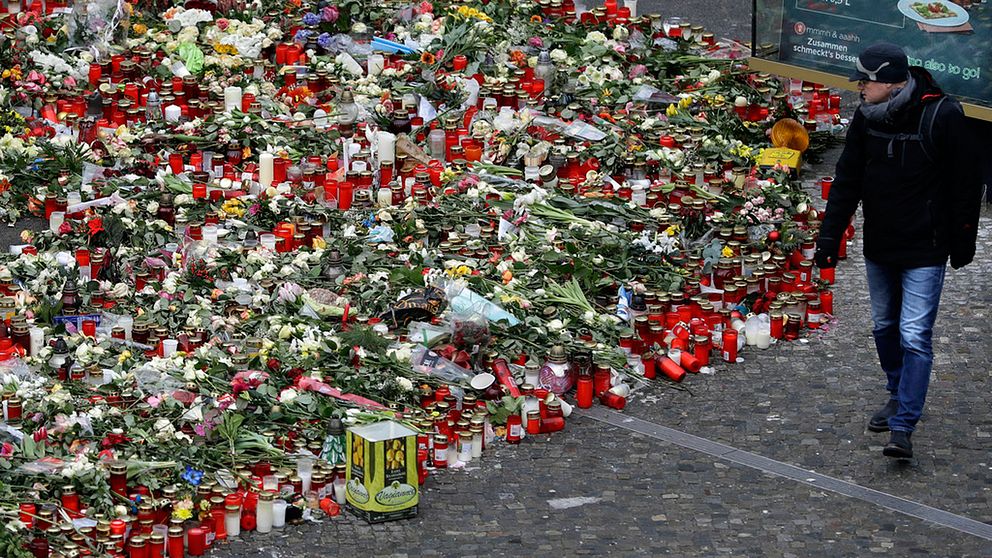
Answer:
[(382, 482)]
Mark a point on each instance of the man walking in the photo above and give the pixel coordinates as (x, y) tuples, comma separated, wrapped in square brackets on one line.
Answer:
[(909, 161)]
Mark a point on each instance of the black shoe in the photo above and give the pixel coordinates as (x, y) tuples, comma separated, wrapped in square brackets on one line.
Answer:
[(899, 445), (879, 422)]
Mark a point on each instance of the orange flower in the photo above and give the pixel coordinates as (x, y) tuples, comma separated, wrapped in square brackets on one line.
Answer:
[(428, 59), (518, 58), (536, 19)]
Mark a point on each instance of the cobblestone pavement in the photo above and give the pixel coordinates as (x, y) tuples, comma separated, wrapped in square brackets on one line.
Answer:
[(599, 490)]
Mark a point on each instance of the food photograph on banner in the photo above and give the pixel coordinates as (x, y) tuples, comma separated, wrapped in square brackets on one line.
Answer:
[(949, 38)]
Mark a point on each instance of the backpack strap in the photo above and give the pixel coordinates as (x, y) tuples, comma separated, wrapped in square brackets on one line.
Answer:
[(897, 137), (929, 111)]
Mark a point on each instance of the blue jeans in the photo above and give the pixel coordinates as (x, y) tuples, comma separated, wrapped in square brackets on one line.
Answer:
[(904, 307)]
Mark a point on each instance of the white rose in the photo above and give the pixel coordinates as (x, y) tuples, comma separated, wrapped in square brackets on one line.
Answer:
[(404, 383)]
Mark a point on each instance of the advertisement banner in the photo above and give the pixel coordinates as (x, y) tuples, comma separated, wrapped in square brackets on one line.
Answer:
[(951, 39)]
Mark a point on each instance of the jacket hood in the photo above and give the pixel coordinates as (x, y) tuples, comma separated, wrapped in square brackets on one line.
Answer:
[(926, 87)]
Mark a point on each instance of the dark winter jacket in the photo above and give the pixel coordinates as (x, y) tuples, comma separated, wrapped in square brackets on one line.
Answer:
[(917, 211)]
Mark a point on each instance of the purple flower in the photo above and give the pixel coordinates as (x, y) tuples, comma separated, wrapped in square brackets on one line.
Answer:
[(311, 18), (324, 40), (302, 35), (330, 14)]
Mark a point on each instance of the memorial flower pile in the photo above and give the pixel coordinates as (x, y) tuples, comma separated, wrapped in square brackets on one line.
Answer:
[(267, 222)]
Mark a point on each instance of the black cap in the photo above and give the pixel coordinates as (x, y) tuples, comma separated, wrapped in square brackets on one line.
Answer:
[(882, 62)]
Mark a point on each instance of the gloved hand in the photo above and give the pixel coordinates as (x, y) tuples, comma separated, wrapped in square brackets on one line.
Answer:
[(963, 246), (826, 253), (962, 256)]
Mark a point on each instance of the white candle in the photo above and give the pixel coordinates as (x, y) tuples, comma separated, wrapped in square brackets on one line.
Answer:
[(279, 513), (263, 514), (387, 147), (173, 113), (763, 339), (169, 347), (265, 169), (320, 118), (304, 470), (340, 495), (376, 62), (37, 340), (55, 221), (126, 322), (232, 98)]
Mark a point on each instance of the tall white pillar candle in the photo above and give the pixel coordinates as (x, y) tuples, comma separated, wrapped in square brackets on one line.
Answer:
[(387, 147), (265, 169)]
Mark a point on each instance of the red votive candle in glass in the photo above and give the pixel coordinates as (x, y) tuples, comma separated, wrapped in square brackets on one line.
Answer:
[(345, 195), (827, 302), (583, 391), (648, 361), (730, 345), (199, 191), (197, 541), (671, 369)]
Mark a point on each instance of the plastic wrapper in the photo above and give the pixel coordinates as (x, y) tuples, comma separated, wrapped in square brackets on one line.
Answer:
[(464, 301), (428, 362), (426, 334), (43, 466)]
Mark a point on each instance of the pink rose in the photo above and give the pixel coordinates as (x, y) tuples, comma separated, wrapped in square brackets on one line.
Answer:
[(329, 14), (223, 24)]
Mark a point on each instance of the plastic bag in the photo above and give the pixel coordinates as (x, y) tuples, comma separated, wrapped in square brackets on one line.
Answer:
[(425, 333), (428, 362), (469, 330), (463, 300)]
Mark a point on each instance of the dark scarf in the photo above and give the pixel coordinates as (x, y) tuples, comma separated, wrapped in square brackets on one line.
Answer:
[(887, 112)]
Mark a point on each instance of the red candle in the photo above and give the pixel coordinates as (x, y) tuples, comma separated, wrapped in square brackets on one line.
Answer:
[(648, 361), (459, 62), (611, 7), (94, 74), (199, 191), (89, 328), (176, 163), (825, 183), (27, 513), (501, 370), (551, 424), (730, 344), (513, 427), (118, 527), (197, 541), (176, 549), (613, 400), (671, 369), (690, 362), (583, 391), (345, 195), (702, 349), (827, 300), (602, 380)]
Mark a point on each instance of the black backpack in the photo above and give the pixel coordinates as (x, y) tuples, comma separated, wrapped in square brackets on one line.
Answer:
[(924, 131)]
